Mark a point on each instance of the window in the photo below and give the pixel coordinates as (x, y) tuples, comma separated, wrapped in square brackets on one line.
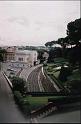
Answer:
[(20, 59)]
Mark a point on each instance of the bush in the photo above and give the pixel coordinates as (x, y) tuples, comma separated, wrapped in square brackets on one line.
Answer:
[(65, 100), (19, 85), (18, 97), (45, 64), (75, 86), (24, 105), (64, 73)]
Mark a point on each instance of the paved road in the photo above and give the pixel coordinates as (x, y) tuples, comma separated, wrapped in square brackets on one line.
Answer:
[(26, 71), (36, 80), (27, 75), (9, 111), (46, 83), (33, 80)]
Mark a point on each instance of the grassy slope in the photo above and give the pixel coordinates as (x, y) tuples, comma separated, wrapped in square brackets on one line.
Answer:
[(37, 102)]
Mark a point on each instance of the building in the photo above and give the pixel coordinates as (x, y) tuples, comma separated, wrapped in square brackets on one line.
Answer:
[(25, 57), (10, 53), (20, 58)]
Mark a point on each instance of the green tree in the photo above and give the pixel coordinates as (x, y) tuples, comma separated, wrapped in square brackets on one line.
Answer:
[(74, 86), (2, 55), (19, 84), (63, 42), (74, 31), (74, 34), (40, 55), (51, 56), (50, 44)]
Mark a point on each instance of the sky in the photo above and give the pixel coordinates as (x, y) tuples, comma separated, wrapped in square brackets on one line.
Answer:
[(35, 22)]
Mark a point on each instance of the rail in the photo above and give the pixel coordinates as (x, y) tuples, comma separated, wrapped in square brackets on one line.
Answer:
[(9, 82)]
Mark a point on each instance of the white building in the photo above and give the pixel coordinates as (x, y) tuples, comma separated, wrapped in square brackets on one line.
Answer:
[(25, 57), (21, 58)]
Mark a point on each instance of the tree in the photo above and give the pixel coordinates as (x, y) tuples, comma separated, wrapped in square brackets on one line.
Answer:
[(74, 31), (1, 57), (19, 84), (74, 34), (63, 43), (2, 54), (40, 55), (73, 38), (47, 44), (74, 86), (64, 73), (51, 56), (50, 44)]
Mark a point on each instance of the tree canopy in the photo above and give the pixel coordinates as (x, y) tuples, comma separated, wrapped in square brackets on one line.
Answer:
[(74, 30), (2, 52), (19, 84), (73, 35)]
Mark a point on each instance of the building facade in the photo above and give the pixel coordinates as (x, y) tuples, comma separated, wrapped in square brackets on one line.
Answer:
[(20, 58), (26, 57), (10, 53)]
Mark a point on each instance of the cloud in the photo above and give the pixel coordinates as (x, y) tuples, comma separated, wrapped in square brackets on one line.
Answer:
[(20, 20), (35, 21)]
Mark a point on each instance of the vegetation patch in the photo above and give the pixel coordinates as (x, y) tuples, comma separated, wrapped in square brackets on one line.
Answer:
[(75, 75), (38, 102), (56, 74)]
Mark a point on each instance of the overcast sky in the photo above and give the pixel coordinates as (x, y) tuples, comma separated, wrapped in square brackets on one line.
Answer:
[(35, 22)]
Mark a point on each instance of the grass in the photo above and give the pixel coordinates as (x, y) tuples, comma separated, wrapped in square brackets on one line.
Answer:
[(37, 102), (59, 60), (53, 70), (75, 75), (56, 74)]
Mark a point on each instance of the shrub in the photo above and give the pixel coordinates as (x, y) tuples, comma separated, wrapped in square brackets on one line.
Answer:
[(24, 105), (19, 85), (64, 73), (75, 86), (18, 97)]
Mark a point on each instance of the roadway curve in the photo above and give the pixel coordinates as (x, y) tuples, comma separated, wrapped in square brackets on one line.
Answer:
[(33, 80), (9, 111), (37, 82)]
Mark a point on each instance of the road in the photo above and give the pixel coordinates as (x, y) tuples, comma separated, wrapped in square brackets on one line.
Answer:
[(36, 80), (33, 80), (26, 71), (28, 74), (46, 82), (9, 111)]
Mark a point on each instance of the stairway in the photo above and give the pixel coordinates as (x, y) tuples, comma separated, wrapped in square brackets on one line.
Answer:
[(43, 111)]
